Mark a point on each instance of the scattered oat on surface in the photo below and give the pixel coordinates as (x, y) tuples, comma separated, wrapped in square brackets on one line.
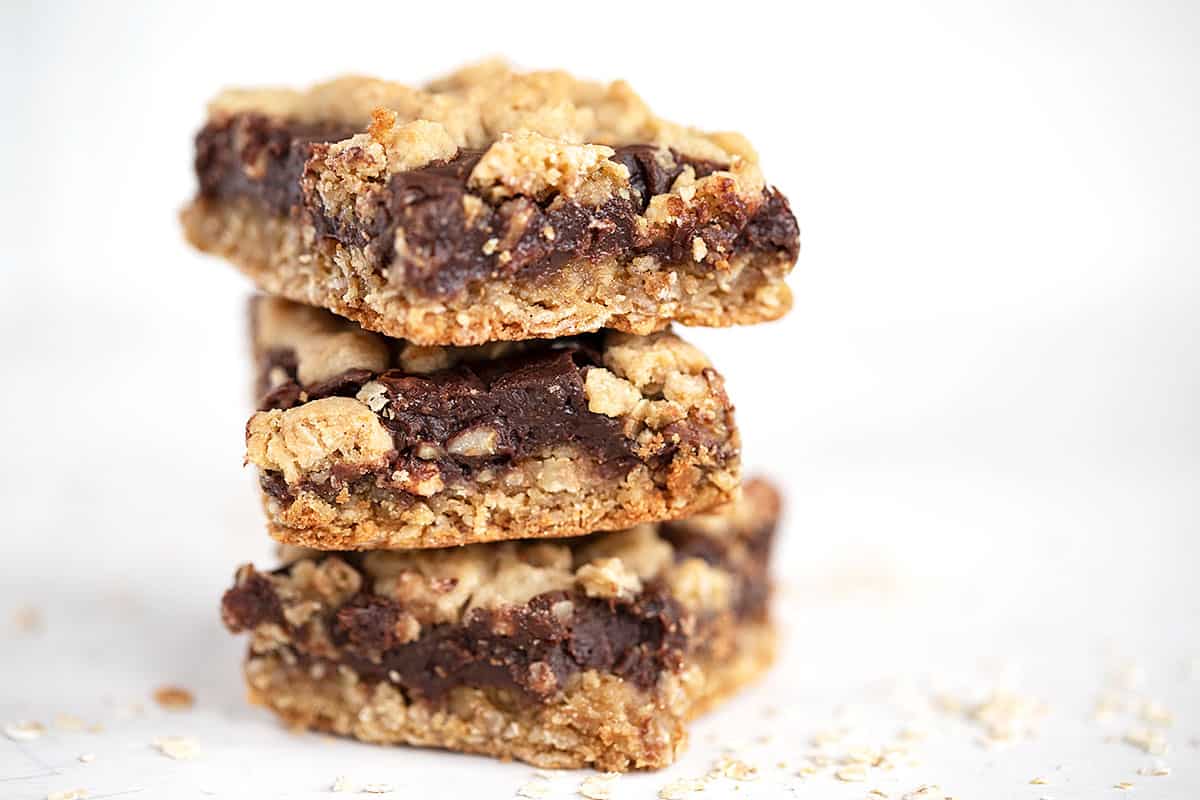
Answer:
[(1156, 713), (928, 791), (174, 698), (341, 784), (69, 722), (912, 734), (87, 758), (598, 787), (1123, 786), (179, 748), (734, 769), (1039, 781), (69, 794), (1127, 676), (1146, 740), (130, 710), (27, 619), (533, 789), (681, 789), (378, 788), (827, 737), (862, 755), (24, 730), (1158, 770), (851, 773), (1007, 716), (1108, 704)]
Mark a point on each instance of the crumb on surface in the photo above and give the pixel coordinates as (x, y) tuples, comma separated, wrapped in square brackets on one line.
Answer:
[(27, 619), (179, 748), (1157, 770), (533, 789), (24, 730), (851, 773), (598, 787), (1146, 740), (174, 698), (69, 794), (681, 789), (734, 769), (69, 722), (927, 791)]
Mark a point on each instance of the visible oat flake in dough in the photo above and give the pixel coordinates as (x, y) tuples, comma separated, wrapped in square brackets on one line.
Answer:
[(311, 436), (609, 395), (529, 164), (608, 577)]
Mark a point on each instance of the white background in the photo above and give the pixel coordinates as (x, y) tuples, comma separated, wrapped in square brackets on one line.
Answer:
[(983, 407)]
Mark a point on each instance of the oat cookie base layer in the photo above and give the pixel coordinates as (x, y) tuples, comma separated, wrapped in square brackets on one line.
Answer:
[(599, 722), (634, 297), (471, 512)]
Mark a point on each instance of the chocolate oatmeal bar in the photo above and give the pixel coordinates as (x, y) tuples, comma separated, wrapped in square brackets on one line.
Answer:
[(590, 651), (492, 205), (365, 442)]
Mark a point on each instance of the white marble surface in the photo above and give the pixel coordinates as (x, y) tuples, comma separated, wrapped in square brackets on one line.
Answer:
[(983, 409)]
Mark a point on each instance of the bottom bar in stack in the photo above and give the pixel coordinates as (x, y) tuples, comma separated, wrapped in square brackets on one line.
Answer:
[(589, 651)]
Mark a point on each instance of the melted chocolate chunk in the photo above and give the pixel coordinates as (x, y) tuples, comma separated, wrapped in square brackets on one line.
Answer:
[(533, 648), (751, 568), (520, 406), (252, 156), (250, 603), (523, 405), (649, 176), (528, 648)]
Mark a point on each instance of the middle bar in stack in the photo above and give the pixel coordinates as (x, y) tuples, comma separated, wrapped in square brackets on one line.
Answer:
[(366, 442)]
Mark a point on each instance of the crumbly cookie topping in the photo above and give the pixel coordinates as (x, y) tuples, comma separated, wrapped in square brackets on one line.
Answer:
[(542, 132)]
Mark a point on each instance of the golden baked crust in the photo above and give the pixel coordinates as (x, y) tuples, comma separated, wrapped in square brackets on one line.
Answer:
[(640, 296), (657, 398), (440, 585), (599, 722)]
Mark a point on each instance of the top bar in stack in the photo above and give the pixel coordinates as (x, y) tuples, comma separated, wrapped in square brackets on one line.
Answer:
[(492, 205)]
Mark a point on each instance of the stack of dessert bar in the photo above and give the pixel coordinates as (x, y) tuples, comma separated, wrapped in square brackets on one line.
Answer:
[(508, 495)]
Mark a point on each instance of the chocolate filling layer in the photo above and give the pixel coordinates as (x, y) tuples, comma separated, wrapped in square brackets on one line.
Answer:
[(252, 156), (478, 415), (532, 649)]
